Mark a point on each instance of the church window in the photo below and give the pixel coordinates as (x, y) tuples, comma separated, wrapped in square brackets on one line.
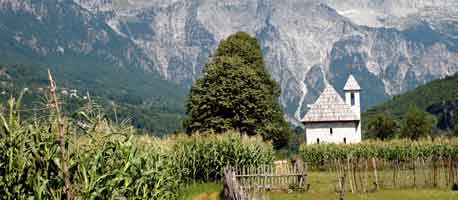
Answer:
[(345, 140), (330, 131), (318, 140), (352, 98)]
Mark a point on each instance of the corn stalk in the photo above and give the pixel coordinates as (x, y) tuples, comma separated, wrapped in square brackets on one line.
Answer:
[(61, 137)]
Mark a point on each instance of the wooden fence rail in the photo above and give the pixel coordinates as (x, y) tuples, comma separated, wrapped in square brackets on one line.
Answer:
[(351, 175), (251, 183), (365, 175)]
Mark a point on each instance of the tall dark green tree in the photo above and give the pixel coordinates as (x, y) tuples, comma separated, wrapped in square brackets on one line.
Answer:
[(236, 92), (417, 123)]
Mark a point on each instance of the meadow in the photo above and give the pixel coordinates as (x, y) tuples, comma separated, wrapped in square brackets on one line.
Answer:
[(423, 169), (322, 188)]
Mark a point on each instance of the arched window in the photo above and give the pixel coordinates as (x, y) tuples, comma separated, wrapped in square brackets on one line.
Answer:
[(345, 140), (318, 140), (330, 131)]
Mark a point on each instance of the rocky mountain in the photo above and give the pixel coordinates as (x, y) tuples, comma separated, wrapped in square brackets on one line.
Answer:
[(392, 13), (391, 46), (57, 28)]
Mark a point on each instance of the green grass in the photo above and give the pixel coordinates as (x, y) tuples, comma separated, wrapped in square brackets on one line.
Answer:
[(406, 194), (202, 191), (322, 188)]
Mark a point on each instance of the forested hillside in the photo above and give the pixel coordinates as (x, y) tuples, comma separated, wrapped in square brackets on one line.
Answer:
[(144, 100), (85, 55), (439, 97)]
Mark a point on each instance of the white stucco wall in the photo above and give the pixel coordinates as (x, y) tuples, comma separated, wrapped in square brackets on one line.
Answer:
[(357, 106), (340, 130)]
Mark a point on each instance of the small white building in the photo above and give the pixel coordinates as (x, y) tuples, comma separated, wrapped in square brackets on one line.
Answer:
[(331, 119)]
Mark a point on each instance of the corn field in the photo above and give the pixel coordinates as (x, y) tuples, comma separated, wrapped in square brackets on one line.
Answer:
[(395, 150), (395, 164), (108, 160)]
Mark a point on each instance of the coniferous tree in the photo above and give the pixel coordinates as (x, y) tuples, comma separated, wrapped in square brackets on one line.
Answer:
[(237, 92)]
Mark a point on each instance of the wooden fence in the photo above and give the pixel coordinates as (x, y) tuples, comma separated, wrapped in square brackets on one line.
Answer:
[(251, 183), (366, 175)]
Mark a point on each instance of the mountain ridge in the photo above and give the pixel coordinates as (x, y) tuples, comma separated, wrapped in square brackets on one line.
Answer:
[(306, 44), (291, 37)]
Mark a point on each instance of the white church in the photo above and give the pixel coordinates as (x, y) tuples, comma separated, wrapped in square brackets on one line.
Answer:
[(331, 119)]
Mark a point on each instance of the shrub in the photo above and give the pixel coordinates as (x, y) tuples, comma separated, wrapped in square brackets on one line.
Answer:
[(382, 127), (417, 124)]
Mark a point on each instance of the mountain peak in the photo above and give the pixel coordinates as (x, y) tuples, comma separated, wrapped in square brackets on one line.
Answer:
[(305, 43)]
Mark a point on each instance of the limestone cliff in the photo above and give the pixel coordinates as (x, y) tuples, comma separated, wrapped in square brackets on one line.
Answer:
[(390, 46)]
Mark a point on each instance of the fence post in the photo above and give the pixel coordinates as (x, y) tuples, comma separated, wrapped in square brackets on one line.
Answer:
[(359, 170), (250, 182), (341, 187), (350, 171), (374, 164), (366, 168), (434, 159), (450, 177), (305, 177), (395, 169)]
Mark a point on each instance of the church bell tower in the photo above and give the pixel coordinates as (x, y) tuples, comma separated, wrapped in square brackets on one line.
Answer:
[(352, 98)]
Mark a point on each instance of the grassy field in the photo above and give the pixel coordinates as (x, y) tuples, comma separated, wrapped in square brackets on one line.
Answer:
[(202, 191), (407, 194), (322, 188)]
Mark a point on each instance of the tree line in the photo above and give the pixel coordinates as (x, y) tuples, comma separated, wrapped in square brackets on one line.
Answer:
[(414, 125)]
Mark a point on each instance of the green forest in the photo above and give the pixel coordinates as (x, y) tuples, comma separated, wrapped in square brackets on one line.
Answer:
[(436, 102), (147, 103)]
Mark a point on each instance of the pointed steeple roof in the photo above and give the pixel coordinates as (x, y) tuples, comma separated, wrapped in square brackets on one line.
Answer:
[(351, 84), (330, 107)]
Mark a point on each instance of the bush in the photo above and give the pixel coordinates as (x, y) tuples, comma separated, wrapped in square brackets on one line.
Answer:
[(382, 127), (417, 124)]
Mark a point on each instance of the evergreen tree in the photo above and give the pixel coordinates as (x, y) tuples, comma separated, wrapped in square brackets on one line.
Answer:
[(237, 92), (417, 123), (382, 127)]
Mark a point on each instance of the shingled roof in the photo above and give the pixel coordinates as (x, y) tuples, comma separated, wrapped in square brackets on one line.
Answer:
[(352, 84), (330, 107)]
